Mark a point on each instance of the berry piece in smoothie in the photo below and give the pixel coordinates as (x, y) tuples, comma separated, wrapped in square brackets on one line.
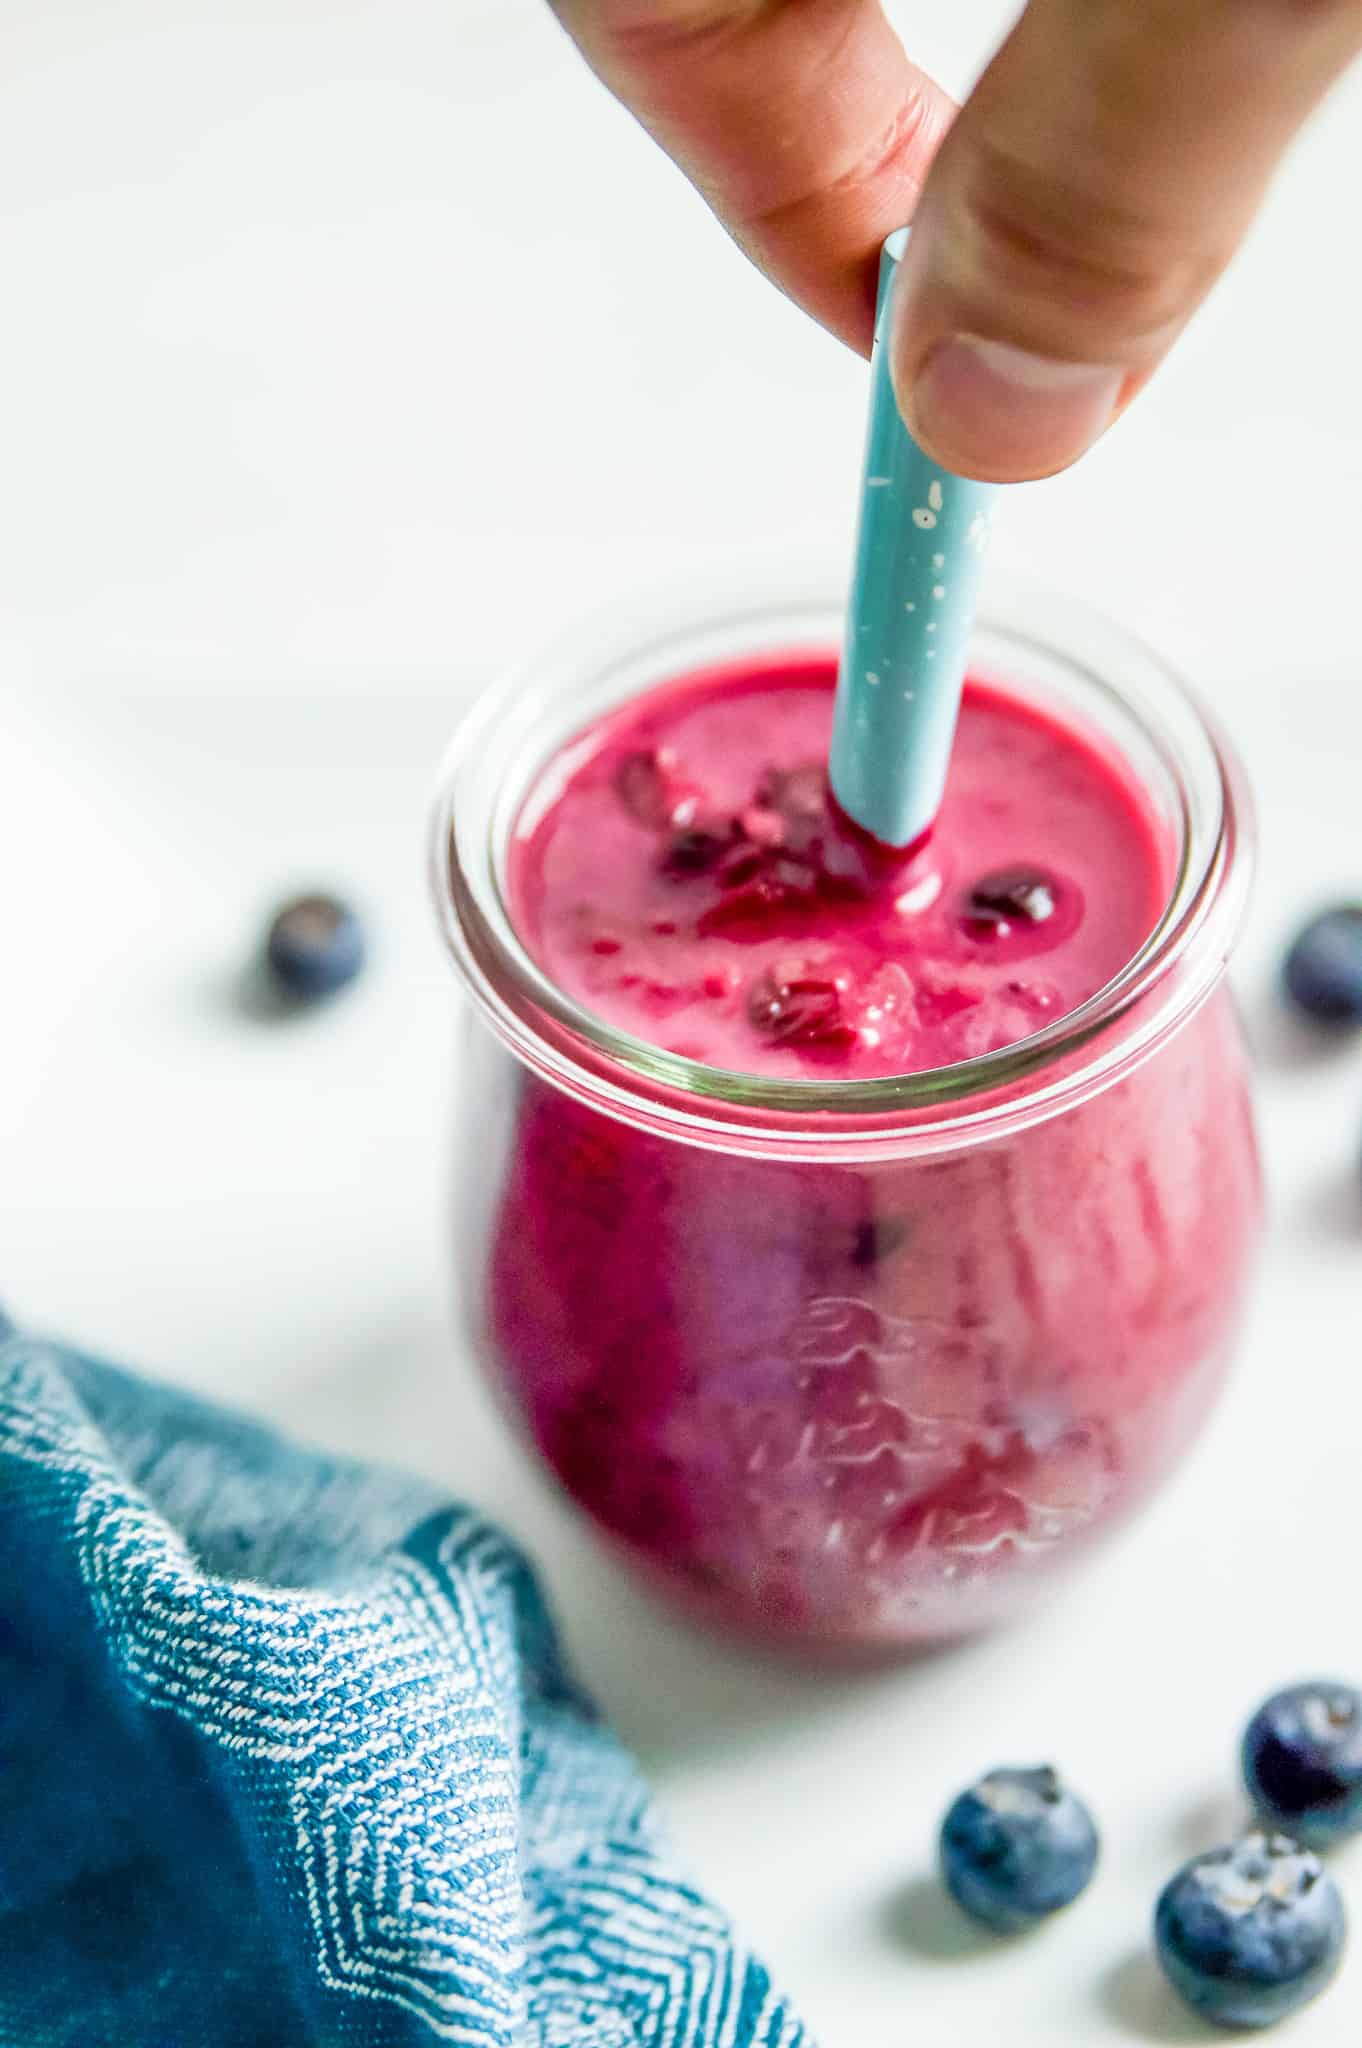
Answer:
[(1249, 1933), (1302, 1758), (693, 830), (652, 790), (1323, 969), (695, 851), (803, 1009), (1020, 909), (1017, 896), (1016, 1847)]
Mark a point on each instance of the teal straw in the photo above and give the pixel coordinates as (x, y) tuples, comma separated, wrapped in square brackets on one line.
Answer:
[(919, 552)]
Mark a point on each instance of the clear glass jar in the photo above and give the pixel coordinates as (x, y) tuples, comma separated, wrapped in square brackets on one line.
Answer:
[(856, 1362)]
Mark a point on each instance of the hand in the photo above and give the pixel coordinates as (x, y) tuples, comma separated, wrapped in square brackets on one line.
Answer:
[(1065, 226)]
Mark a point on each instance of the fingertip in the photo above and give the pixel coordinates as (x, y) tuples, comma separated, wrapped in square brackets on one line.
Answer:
[(985, 409)]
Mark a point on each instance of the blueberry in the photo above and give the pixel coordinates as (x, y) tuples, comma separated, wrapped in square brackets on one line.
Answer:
[(1248, 1933), (1016, 1846), (316, 945), (1302, 1757), (1011, 897), (1323, 969)]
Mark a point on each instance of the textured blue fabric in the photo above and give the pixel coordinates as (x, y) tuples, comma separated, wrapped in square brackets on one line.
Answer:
[(288, 1756)]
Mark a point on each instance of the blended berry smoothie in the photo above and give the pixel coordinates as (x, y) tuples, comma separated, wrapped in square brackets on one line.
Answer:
[(858, 1400), (692, 883)]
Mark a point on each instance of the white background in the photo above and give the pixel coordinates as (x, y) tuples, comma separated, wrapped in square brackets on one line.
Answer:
[(345, 350)]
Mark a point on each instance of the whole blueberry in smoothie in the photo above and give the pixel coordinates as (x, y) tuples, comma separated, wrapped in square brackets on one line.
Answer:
[(838, 1391)]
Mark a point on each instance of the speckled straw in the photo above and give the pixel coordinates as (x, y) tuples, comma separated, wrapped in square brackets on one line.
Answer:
[(922, 539)]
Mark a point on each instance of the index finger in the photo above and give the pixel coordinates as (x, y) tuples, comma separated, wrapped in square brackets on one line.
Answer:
[(802, 122)]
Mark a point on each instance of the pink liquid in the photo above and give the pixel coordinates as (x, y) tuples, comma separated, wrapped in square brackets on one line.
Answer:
[(691, 883), (859, 1403)]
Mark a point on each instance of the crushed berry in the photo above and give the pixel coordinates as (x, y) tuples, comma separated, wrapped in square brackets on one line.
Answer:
[(798, 795), (805, 1010), (761, 908), (744, 867), (812, 827), (695, 851), (782, 861)]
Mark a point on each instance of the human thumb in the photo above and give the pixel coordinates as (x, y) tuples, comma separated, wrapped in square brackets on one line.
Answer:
[(1087, 197)]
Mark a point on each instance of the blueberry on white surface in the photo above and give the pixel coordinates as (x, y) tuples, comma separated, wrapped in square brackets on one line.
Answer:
[(316, 944), (1302, 1758), (1323, 968), (1017, 1846), (1249, 1932)]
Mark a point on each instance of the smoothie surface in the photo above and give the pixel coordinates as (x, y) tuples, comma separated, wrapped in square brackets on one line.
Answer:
[(680, 871)]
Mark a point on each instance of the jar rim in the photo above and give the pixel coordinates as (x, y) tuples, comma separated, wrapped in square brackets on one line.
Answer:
[(658, 633)]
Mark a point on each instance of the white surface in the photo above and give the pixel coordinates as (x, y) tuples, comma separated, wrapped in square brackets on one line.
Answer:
[(342, 345)]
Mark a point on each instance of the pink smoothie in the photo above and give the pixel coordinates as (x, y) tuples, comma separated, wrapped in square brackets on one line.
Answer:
[(690, 881), (857, 1400)]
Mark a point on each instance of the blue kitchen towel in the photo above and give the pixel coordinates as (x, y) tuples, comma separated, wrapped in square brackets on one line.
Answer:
[(288, 1757)]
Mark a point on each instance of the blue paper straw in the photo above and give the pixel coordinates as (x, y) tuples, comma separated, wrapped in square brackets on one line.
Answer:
[(922, 539)]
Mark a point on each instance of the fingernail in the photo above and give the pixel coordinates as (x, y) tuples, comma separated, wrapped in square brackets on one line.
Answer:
[(989, 410)]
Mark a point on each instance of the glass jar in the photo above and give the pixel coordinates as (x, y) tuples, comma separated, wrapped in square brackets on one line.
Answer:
[(856, 1362)]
